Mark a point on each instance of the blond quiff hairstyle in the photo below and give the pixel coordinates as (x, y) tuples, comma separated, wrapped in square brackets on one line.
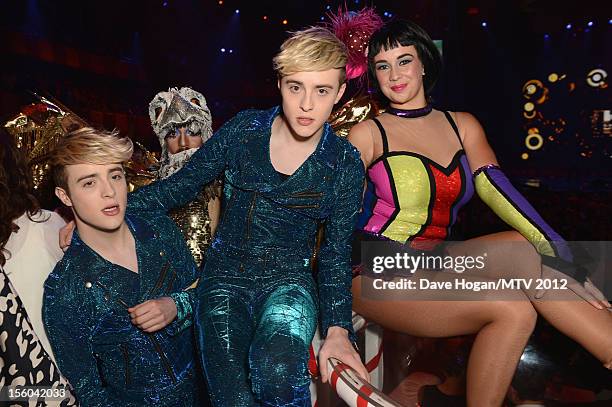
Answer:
[(312, 49), (88, 146)]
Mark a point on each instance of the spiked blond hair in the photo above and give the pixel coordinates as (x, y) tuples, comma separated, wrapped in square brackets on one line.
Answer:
[(88, 146), (312, 49)]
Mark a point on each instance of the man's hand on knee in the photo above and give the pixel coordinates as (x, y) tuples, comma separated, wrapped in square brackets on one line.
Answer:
[(337, 345)]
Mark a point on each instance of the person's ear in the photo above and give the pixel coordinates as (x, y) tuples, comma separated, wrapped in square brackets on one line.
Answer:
[(340, 93), (63, 196)]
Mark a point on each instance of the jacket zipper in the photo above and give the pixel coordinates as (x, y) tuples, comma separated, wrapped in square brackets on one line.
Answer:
[(160, 279), (302, 206), (307, 195), (250, 216), (126, 360), (171, 280), (162, 357)]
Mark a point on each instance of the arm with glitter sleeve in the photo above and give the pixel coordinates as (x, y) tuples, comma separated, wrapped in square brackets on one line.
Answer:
[(188, 276), (183, 186), (335, 276), (510, 205)]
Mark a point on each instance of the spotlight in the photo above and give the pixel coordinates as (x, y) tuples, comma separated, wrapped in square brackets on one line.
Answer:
[(322, 18), (165, 4), (484, 24), (568, 27), (231, 51), (386, 14), (390, 14), (237, 11), (546, 36), (285, 22), (265, 18), (597, 78), (534, 141), (590, 24), (610, 21), (220, 2), (222, 49), (328, 7)]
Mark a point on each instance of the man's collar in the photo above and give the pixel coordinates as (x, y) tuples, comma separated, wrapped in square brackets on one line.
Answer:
[(327, 148)]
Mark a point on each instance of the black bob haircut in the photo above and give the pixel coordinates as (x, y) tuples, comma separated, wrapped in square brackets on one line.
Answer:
[(398, 33)]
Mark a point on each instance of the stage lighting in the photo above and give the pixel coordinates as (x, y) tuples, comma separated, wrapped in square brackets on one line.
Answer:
[(534, 141), (597, 78), (569, 26), (484, 24)]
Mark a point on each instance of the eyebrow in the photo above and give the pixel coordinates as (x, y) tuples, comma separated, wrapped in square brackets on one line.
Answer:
[(400, 57), (114, 169), (86, 176), (294, 82)]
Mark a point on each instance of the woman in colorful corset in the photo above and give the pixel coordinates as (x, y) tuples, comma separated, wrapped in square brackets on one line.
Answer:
[(422, 166)]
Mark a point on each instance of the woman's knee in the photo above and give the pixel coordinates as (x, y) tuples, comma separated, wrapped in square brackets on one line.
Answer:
[(521, 315)]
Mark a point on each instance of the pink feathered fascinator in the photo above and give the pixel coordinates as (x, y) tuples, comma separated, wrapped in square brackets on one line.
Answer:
[(354, 29)]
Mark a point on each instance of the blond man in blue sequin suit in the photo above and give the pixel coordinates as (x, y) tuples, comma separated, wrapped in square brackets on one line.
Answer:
[(117, 308), (285, 172)]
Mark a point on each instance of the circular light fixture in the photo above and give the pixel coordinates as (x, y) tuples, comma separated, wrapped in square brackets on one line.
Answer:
[(597, 78), (534, 141), (529, 107), (531, 89), (525, 156), (553, 77)]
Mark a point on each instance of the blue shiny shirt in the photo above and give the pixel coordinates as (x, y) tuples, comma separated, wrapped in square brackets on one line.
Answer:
[(107, 359), (268, 217)]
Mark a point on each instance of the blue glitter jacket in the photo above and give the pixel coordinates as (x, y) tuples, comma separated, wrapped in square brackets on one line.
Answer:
[(266, 216), (105, 357)]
